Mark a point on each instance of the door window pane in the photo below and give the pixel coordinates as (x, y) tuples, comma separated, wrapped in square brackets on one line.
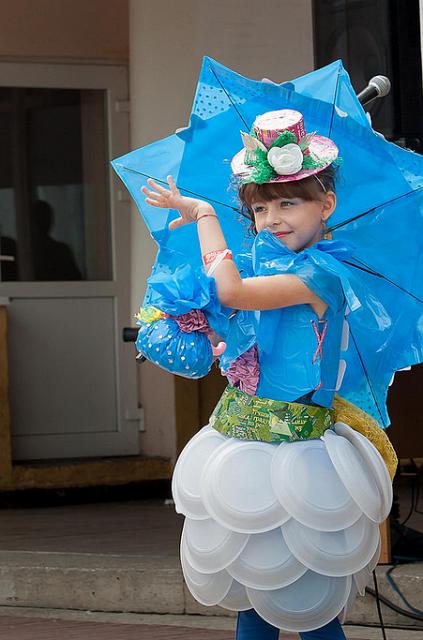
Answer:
[(54, 205)]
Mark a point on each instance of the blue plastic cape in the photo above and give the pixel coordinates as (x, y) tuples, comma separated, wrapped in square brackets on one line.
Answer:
[(379, 210)]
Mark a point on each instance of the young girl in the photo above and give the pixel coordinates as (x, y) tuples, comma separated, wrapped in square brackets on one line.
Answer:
[(282, 500)]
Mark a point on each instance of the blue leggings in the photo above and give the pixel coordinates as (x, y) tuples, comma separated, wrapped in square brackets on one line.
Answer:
[(251, 627)]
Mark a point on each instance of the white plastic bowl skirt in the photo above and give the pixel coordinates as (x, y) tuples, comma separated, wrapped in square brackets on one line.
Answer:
[(355, 474), (309, 488), (374, 461), (208, 589), (363, 578), (333, 553), (236, 599), (188, 469), (309, 603), (266, 562), (277, 527), (211, 546), (236, 487)]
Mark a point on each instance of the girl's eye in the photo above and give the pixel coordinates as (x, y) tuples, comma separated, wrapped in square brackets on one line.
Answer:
[(258, 209), (286, 203)]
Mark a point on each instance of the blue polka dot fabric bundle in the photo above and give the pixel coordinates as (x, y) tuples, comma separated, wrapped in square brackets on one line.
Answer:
[(181, 309), (185, 354)]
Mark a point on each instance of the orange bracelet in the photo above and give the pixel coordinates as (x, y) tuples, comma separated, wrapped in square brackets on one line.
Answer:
[(210, 257)]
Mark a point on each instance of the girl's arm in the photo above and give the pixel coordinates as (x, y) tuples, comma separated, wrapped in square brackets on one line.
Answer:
[(258, 293)]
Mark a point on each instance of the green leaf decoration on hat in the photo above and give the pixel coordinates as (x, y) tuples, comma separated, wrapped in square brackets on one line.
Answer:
[(263, 171), (287, 137), (309, 162)]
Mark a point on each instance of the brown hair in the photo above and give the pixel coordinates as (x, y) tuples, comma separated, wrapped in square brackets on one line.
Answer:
[(307, 189)]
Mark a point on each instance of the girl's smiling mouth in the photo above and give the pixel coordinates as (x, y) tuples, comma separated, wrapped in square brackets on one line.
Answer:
[(282, 234)]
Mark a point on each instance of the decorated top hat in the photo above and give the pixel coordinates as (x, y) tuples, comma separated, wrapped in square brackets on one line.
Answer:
[(278, 149)]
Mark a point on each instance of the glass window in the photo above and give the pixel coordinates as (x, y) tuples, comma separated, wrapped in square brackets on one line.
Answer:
[(54, 205)]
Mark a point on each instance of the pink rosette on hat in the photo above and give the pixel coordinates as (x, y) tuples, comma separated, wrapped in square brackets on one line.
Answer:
[(278, 149)]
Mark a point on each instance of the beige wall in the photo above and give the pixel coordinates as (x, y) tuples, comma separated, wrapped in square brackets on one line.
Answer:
[(94, 29), (271, 38)]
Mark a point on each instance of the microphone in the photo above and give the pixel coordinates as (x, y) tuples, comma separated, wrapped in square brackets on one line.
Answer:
[(378, 87)]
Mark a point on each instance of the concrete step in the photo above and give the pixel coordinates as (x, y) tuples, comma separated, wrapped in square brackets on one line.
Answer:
[(152, 584), (88, 581)]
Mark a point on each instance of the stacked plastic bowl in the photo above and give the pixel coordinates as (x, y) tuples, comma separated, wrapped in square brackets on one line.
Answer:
[(290, 530)]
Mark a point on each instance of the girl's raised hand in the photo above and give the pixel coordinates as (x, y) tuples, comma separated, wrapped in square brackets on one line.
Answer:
[(163, 198)]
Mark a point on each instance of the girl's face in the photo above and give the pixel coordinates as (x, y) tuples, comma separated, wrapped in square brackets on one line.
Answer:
[(297, 223)]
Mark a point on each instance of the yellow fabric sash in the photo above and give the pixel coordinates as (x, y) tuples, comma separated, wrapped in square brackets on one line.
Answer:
[(362, 422)]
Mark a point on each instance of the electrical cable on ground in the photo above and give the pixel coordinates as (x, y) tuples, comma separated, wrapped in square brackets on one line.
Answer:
[(396, 588), (374, 625), (394, 607), (379, 611)]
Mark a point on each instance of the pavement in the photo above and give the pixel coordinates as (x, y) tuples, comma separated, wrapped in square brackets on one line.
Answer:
[(50, 624), (29, 628)]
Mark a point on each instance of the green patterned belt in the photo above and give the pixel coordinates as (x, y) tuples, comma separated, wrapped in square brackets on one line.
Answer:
[(240, 415)]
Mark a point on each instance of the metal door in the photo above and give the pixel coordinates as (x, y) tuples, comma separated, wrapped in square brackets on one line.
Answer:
[(65, 266)]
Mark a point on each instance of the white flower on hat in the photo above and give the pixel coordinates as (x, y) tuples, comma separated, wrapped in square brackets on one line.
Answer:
[(286, 160)]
